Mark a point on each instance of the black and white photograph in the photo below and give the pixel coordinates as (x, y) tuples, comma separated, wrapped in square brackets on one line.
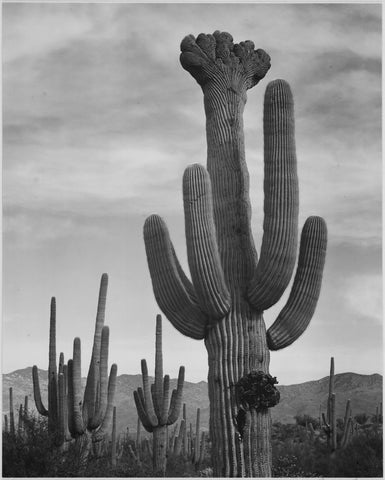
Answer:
[(192, 239)]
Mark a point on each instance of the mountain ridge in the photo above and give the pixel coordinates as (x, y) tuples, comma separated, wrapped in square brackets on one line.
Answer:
[(364, 391)]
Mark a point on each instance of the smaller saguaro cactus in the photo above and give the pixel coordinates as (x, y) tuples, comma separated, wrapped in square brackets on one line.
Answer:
[(69, 414), (154, 407), (53, 412), (330, 420)]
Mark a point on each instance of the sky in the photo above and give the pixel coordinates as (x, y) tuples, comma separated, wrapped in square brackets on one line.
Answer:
[(99, 122)]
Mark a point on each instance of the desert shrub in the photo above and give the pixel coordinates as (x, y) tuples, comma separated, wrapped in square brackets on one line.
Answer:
[(300, 456), (361, 418), (30, 453), (288, 466), (304, 420), (362, 457)]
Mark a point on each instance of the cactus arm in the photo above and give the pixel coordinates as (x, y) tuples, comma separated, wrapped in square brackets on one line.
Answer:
[(165, 401), (101, 392), (333, 421), (93, 372), (113, 440), (177, 448), (347, 426), (52, 370), (11, 413), (61, 410), (77, 399), (170, 292), (197, 437), (347, 433), (176, 399), (188, 286), (70, 399), (61, 363), (202, 248), (279, 242), (108, 415), (158, 388), (299, 309), (142, 414), (148, 405), (37, 394), (331, 389)]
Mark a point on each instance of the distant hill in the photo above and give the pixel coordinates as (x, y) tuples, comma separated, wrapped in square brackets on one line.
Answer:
[(364, 391)]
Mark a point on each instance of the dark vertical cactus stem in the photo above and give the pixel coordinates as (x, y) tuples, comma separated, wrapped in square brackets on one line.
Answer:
[(155, 409), (230, 288)]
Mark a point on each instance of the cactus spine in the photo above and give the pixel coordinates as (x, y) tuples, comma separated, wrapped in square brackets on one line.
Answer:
[(154, 407), (230, 288)]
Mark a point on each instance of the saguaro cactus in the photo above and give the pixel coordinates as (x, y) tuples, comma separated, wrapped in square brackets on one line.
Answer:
[(11, 413), (330, 420), (52, 412), (69, 414), (92, 413), (230, 288), (154, 407)]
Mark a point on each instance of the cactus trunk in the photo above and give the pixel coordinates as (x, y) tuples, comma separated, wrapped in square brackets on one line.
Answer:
[(236, 346), (159, 456)]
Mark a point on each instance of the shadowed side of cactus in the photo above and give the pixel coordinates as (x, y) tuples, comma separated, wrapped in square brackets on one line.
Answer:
[(155, 409), (230, 286)]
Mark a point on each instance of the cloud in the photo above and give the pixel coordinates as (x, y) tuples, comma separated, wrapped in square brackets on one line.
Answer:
[(100, 121), (364, 297)]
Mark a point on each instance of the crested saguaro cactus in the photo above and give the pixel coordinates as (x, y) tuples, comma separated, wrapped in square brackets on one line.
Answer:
[(229, 288), (155, 410)]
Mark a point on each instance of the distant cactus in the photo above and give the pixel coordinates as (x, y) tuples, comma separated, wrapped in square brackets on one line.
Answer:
[(69, 414), (93, 412), (230, 288), (52, 412), (330, 420), (12, 429), (155, 410)]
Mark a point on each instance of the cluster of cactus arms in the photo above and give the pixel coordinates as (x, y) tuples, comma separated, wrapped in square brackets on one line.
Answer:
[(330, 420), (230, 288), (153, 404), (69, 414)]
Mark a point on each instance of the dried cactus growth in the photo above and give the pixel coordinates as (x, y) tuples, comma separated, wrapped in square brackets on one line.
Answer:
[(155, 410), (229, 288)]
